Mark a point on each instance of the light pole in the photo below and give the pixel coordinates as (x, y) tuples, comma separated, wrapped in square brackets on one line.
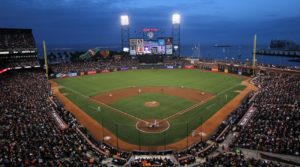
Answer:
[(124, 32), (176, 33)]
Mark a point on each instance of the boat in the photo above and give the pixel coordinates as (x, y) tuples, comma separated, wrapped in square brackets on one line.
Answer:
[(221, 45)]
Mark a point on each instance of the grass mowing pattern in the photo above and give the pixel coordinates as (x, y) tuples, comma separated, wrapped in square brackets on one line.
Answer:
[(169, 105), (80, 88)]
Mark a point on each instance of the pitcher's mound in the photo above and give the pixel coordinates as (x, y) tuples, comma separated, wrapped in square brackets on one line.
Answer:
[(151, 104)]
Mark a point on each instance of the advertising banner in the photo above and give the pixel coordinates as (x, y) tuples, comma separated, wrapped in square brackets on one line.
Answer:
[(91, 72), (72, 74), (104, 71), (58, 75), (3, 70), (214, 69), (170, 67), (247, 116), (189, 67), (60, 123), (124, 68)]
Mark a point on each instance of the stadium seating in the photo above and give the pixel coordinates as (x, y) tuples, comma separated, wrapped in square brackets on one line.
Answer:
[(275, 124), (32, 136), (16, 39)]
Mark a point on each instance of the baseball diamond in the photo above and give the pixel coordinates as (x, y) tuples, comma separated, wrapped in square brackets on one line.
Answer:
[(185, 100)]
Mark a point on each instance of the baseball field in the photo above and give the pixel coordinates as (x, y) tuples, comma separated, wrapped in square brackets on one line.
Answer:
[(150, 107)]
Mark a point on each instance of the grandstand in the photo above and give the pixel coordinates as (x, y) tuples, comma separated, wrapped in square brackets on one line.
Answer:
[(17, 49), (36, 129)]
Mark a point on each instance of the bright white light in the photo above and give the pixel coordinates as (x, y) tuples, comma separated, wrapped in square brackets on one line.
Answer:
[(125, 49), (124, 20), (176, 18), (175, 47)]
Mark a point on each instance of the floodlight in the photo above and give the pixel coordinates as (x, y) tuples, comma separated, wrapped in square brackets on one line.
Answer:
[(176, 18), (125, 49), (124, 20)]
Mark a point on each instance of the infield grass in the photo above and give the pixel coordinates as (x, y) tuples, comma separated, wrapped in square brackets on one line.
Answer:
[(169, 105)]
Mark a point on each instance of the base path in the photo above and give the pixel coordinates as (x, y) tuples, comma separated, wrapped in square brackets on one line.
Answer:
[(194, 95), (100, 132)]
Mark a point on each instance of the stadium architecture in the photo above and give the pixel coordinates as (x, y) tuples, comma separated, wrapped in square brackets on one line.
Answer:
[(143, 106)]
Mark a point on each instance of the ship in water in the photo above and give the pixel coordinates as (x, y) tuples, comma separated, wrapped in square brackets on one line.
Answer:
[(221, 45)]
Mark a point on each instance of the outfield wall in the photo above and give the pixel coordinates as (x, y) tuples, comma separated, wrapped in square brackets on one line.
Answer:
[(214, 67)]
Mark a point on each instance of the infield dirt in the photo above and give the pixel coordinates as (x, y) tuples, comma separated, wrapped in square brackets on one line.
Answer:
[(186, 93)]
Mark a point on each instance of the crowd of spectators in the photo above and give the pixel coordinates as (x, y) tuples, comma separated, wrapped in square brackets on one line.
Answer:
[(275, 126), (163, 162), (93, 65), (237, 160), (176, 62), (29, 135), (16, 38)]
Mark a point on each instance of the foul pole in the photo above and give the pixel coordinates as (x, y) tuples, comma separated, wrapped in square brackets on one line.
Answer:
[(45, 57), (254, 54)]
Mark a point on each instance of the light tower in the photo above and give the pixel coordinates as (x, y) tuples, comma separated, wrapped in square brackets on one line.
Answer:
[(176, 33), (125, 32)]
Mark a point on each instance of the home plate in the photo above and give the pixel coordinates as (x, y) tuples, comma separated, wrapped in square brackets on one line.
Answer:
[(202, 134), (106, 138)]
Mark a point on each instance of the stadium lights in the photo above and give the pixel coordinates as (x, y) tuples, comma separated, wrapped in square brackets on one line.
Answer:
[(175, 47), (176, 18), (125, 49), (124, 20)]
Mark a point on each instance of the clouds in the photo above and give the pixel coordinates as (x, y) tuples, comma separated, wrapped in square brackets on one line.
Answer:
[(97, 21)]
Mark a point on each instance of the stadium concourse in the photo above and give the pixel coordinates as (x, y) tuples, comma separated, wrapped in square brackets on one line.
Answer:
[(36, 130)]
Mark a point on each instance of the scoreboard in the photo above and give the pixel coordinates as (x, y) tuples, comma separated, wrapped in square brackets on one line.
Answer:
[(159, 46)]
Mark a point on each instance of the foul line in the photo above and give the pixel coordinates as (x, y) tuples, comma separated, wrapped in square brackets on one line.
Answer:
[(115, 109), (198, 104), (165, 119)]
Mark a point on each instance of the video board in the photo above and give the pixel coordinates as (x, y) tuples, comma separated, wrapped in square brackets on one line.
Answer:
[(160, 46)]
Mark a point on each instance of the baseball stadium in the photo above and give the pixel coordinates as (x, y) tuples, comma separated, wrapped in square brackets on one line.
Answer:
[(143, 104)]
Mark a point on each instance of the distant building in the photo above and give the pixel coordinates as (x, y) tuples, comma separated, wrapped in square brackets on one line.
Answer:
[(284, 45)]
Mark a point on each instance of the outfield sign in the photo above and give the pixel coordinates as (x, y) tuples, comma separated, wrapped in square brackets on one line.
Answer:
[(72, 74), (189, 67), (91, 72), (124, 68)]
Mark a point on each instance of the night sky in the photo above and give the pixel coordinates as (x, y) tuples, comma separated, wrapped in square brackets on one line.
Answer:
[(67, 23)]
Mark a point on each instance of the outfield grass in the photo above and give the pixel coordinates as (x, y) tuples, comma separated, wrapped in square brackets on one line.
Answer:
[(80, 88)]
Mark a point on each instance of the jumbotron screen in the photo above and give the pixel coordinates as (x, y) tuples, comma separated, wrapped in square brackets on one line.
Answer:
[(161, 46)]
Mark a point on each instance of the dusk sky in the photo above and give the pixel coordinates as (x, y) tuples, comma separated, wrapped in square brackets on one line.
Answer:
[(97, 22)]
